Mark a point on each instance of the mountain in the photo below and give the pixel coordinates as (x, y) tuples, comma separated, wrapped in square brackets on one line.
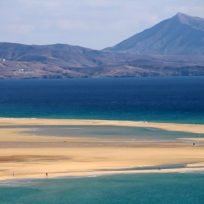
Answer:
[(52, 61), (174, 47), (59, 54), (180, 35)]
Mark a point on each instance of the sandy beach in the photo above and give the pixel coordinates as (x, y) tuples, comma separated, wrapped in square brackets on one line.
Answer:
[(23, 155)]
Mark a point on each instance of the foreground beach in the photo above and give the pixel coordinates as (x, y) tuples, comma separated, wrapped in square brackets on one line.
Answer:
[(24, 154)]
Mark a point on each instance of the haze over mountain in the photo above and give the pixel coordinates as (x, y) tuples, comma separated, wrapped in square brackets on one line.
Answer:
[(174, 47), (59, 54), (179, 35)]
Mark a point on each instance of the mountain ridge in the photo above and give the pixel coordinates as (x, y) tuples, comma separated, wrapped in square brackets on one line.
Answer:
[(157, 51), (180, 35)]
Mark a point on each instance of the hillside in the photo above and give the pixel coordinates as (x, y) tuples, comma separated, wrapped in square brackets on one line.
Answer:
[(179, 35)]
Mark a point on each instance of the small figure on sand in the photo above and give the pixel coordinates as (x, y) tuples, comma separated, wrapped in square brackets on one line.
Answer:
[(46, 174)]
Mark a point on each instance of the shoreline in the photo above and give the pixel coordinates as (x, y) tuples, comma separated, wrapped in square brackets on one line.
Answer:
[(101, 173)]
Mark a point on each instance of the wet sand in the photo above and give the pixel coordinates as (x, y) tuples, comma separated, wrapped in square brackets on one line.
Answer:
[(191, 128), (23, 155)]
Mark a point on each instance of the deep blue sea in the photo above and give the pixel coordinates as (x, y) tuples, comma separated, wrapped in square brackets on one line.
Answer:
[(120, 189), (175, 99)]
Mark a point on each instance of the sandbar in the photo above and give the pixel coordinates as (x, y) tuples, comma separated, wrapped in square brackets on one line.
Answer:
[(23, 155)]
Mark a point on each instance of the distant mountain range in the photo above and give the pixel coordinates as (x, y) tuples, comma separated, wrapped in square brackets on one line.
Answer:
[(174, 47)]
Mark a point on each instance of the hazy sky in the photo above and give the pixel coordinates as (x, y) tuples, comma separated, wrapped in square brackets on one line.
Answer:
[(90, 23)]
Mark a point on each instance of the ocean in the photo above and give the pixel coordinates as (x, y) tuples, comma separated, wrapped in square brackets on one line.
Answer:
[(178, 99), (175, 188), (167, 99)]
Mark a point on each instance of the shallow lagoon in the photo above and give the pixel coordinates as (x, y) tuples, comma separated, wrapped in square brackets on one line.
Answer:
[(175, 188)]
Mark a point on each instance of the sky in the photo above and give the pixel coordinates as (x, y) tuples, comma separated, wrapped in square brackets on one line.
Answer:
[(89, 23)]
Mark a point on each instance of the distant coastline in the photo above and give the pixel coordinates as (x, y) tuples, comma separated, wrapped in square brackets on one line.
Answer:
[(173, 47)]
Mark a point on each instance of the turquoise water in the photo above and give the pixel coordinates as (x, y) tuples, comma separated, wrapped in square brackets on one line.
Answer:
[(123, 189), (176, 99)]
